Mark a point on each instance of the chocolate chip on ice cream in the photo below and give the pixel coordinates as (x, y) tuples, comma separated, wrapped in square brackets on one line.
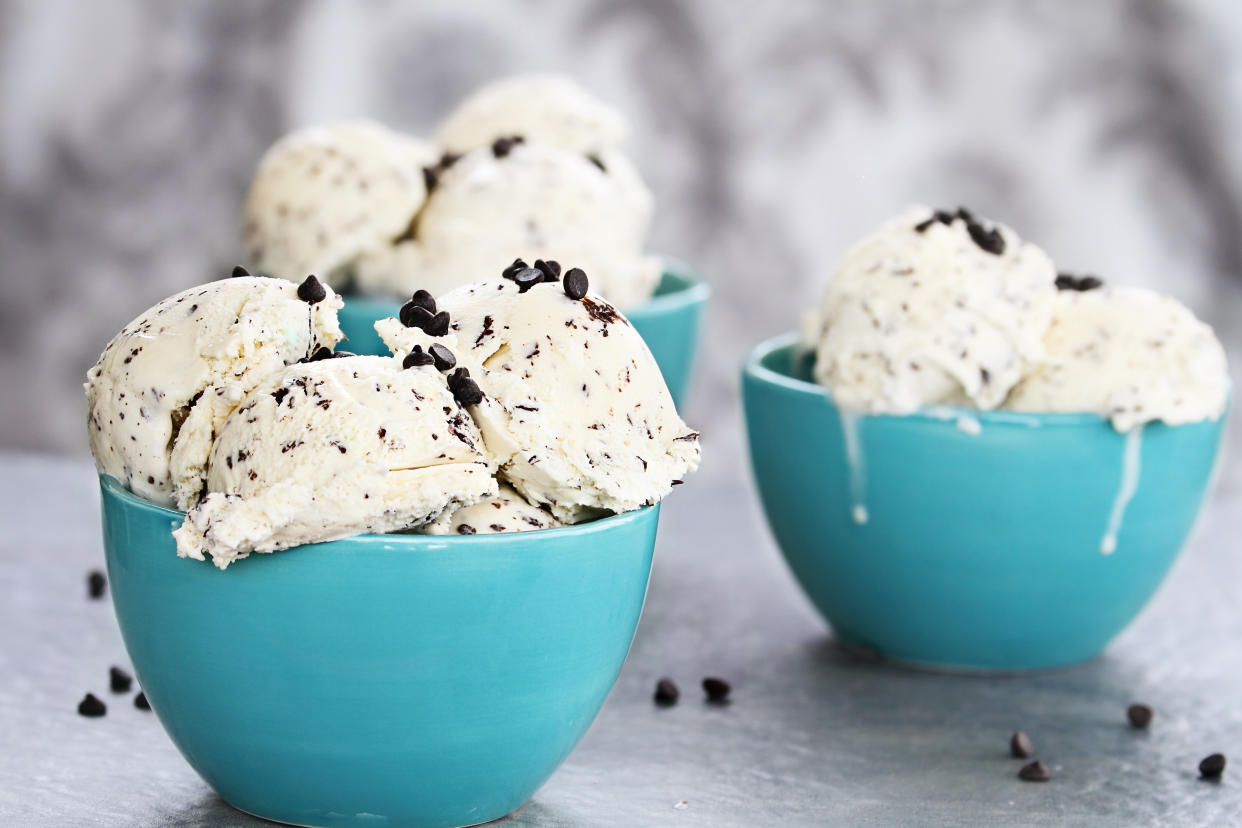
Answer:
[(442, 356), (575, 283), (312, 290), (417, 357)]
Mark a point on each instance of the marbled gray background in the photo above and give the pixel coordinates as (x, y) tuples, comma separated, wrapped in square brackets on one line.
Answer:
[(772, 134)]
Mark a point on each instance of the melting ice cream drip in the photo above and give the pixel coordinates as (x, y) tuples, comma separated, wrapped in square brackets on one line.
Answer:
[(854, 459), (1131, 467)]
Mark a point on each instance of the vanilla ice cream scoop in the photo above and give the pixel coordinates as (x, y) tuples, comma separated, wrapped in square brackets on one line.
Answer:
[(1128, 354), (523, 198), (170, 376), (336, 447), (934, 307), (550, 109), (323, 196), (507, 511), (573, 410)]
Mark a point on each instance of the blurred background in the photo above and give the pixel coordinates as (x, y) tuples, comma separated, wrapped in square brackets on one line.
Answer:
[(772, 135)]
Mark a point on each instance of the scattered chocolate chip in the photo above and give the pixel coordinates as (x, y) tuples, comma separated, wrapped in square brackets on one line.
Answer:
[(989, 240), (666, 692), (430, 178), (140, 702), (416, 358), (1139, 715), (576, 284), (279, 395), (424, 299), (321, 353), (438, 325), (465, 529), (1020, 746), (1034, 772), (443, 357), (414, 315), (96, 583), (502, 146), (550, 269), (717, 689), (597, 161), (942, 216), (119, 680), (312, 290), (512, 270), (465, 390), (964, 214), (240, 272), (91, 706), (1212, 766), (527, 278), (1068, 281)]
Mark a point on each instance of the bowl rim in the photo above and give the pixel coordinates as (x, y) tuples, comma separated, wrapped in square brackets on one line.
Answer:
[(115, 488), (754, 368)]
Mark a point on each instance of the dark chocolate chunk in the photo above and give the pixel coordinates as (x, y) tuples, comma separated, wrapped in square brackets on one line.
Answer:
[(91, 706), (442, 356), (424, 299), (717, 689), (597, 161), (551, 269), (468, 393), (240, 272), (512, 270), (140, 702), (312, 290), (502, 146), (465, 529), (989, 240), (1020, 746), (1034, 772), (414, 315), (666, 692), (575, 282), (942, 216), (1140, 715), (438, 325), (321, 353), (527, 278), (340, 354), (447, 160), (1212, 766), (96, 584), (416, 358), (1068, 281), (279, 395), (119, 680), (964, 214)]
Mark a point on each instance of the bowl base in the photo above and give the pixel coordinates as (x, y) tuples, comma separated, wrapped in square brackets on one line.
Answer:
[(367, 821), (865, 653)]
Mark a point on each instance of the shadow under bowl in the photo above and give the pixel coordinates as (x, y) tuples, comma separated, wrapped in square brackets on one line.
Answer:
[(964, 539), (382, 679), (669, 324)]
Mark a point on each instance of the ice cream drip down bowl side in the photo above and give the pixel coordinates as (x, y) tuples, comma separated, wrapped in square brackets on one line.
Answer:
[(669, 324), (383, 679), (961, 539)]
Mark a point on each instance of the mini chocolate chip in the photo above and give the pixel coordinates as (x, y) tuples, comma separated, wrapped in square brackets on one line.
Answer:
[(1140, 715), (443, 357), (279, 395), (140, 702), (414, 315), (1212, 766), (240, 272), (96, 583), (964, 214), (527, 278), (597, 161), (989, 240), (119, 680), (666, 692), (312, 290), (430, 178), (438, 325), (465, 529), (1020, 746), (512, 270), (416, 358), (502, 146), (447, 160), (717, 689), (551, 269), (576, 284), (1034, 772), (1068, 281), (424, 299), (91, 706)]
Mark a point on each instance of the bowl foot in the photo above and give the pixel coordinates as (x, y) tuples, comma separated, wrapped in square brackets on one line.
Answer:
[(345, 820)]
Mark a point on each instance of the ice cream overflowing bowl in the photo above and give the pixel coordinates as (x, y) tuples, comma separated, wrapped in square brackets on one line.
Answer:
[(381, 679), (961, 538)]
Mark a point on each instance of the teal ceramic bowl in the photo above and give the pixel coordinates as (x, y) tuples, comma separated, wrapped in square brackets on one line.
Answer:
[(971, 540), (669, 324), (397, 680)]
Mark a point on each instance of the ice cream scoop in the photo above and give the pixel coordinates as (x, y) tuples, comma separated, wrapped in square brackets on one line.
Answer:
[(335, 448), (506, 511), (932, 308), (323, 196), (573, 409), (1128, 354), (166, 381)]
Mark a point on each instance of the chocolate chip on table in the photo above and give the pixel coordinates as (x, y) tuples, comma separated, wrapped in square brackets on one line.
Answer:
[(96, 584), (1034, 772), (240, 272), (576, 284), (414, 315), (140, 702), (438, 325), (527, 278), (312, 290), (417, 358), (512, 270), (1139, 715), (119, 680), (424, 299), (1212, 766), (442, 357), (717, 689), (91, 706), (666, 692), (1020, 746), (1068, 281), (551, 269)]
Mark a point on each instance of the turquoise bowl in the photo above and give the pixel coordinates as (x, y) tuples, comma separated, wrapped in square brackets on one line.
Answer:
[(984, 535), (669, 324), (397, 680)]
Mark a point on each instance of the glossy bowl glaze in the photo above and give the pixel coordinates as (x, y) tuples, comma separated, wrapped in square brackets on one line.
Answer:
[(401, 680), (963, 539), (669, 324)]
